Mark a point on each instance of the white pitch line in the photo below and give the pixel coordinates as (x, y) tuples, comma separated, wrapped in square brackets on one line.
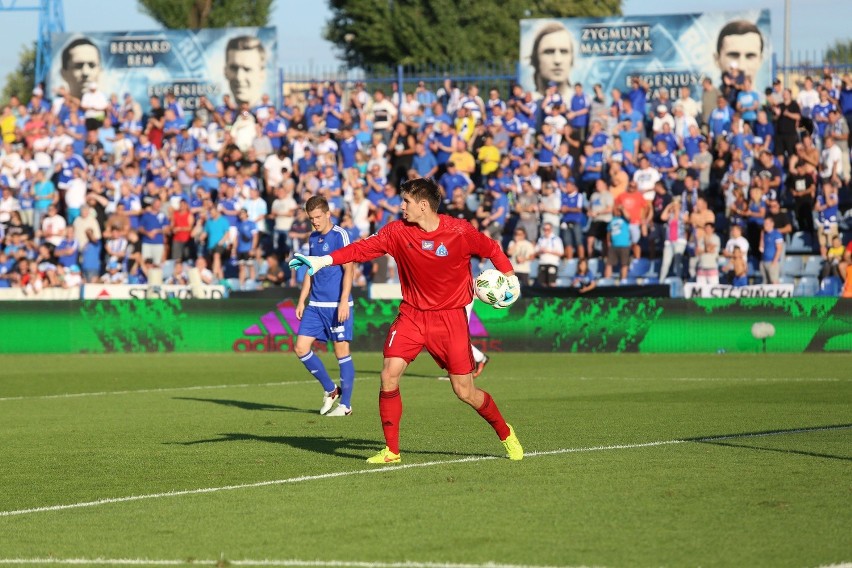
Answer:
[(720, 379), (260, 563), (288, 383), (762, 379), (142, 391), (386, 469)]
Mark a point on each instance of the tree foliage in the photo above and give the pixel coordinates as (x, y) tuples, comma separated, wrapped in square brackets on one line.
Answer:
[(196, 14), (840, 52), (21, 81), (412, 32)]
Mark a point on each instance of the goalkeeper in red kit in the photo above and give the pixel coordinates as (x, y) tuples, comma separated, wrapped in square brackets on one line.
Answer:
[(432, 254)]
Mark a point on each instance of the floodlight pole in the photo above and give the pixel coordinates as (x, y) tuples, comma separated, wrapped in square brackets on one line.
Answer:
[(51, 20), (786, 43)]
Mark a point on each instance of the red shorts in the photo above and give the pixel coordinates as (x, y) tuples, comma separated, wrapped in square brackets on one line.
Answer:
[(444, 334)]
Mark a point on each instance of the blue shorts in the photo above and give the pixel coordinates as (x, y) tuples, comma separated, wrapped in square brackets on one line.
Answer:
[(321, 322)]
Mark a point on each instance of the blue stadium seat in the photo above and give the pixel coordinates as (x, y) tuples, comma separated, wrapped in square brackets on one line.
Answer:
[(639, 267), (651, 280), (655, 268), (753, 267), (606, 282), (596, 266), (845, 223), (830, 286), (787, 279), (807, 286), (533, 269), (629, 281), (563, 282), (168, 269), (675, 286), (813, 267), (801, 243), (568, 268), (792, 266)]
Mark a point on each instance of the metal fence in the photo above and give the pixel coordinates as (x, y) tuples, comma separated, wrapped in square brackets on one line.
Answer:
[(806, 63), (486, 75), (500, 75)]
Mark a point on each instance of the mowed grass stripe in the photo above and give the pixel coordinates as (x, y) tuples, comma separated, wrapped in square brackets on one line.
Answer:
[(261, 563), (311, 382), (162, 390), (386, 469)]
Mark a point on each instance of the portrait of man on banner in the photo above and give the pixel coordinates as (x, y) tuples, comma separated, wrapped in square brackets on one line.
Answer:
[(81, 65), (739, 49), (552, 58), (245, 69)]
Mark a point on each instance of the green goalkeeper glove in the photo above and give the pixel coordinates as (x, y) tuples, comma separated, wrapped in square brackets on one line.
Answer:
[(314, 263), (512, 294)]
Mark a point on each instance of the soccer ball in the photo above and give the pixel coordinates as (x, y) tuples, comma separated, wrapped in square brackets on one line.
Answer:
[(490, 286)]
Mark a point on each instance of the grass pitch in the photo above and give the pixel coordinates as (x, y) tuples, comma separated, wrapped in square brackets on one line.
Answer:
[(223, 460)]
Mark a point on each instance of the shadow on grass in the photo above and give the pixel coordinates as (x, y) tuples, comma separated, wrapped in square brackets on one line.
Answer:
[(779, 450), (407, 373), (245, 405), (726, 440), (336, 446)]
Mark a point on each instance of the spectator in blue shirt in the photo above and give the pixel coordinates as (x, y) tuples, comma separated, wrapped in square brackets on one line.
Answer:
[(748, 102), (451, 180), (152, 227), (638, 94), (573, 208), (245, 247), (424, 162), (494, 211), (618, 243), (720, 118), (578, 116), (667, 137), (68, 250), (771, 248), (216, 239), (348, 149)]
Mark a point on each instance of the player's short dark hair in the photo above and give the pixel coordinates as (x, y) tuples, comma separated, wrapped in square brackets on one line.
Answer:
[(423, 189), (317, 202), (245, 43), (66, 52), (738, 27)]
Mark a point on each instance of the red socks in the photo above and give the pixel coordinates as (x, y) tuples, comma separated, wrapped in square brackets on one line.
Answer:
[(390, 411), (492, 415)]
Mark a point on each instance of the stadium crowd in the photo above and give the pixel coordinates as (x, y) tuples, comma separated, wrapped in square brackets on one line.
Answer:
[(708, 190)]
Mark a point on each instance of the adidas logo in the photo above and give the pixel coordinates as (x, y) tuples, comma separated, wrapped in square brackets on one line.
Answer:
[(277, 330), (275, 333)]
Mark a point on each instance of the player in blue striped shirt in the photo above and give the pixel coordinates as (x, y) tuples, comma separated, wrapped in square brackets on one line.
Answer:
[(327, 315)]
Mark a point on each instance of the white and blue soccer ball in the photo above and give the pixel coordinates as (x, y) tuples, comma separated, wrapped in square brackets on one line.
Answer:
[(490, 286)]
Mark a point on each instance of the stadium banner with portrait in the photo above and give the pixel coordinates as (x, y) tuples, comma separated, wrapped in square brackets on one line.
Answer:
[(238, 62), (667, 51)]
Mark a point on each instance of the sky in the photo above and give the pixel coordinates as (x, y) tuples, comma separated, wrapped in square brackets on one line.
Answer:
[(818, 24)]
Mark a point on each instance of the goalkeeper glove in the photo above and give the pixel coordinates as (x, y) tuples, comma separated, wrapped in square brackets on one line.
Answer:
[(512, 294), (314, 263)]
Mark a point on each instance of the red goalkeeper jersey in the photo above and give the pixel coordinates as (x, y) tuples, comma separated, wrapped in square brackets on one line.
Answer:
[(434, 268)]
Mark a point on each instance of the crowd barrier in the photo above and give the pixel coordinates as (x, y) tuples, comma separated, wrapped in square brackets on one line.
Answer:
[(268, 324)]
